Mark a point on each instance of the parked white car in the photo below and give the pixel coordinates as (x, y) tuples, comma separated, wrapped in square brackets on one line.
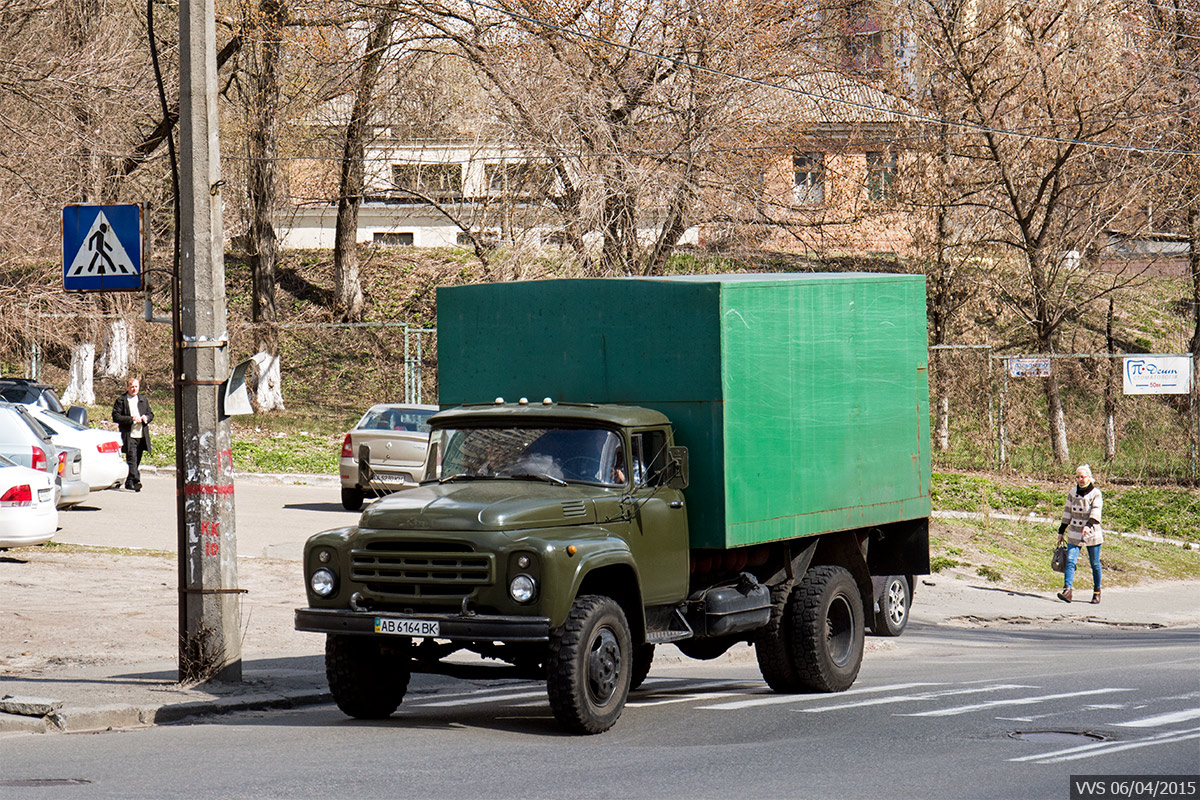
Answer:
[(28, 515), (104, 464)]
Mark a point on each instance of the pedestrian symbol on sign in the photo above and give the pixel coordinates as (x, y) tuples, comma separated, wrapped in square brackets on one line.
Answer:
[(102, 248)]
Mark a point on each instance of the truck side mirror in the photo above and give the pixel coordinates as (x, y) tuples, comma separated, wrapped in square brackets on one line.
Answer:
[(364, 464), (677, 467), (431, 462)]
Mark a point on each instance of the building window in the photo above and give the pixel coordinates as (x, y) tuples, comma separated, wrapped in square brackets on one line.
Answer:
[(517, 179), (488, 239), (862, 37), (881, 175), (404, 239), (808, 188), (439, 181)]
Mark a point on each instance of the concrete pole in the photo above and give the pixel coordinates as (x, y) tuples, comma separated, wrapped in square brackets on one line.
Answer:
[(210, 602)]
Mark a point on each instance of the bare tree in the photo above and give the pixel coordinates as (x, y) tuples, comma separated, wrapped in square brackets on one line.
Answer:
[(349, 298), (1173, 49), (621, 104), (1044, 91)]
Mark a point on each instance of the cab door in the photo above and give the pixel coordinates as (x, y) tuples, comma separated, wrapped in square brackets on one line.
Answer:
[(659, 532)]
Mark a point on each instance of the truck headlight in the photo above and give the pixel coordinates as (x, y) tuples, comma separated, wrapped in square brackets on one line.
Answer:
[(522, 588), (323, 583)]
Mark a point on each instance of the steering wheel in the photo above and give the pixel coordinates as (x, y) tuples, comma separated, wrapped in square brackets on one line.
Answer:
[(587, 466)]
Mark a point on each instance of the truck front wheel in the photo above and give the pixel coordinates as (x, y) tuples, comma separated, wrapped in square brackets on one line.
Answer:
[(826, 615), (367, 680), (590, 665)]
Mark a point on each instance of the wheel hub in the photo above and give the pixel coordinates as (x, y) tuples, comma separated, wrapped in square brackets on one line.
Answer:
[(603, 666)]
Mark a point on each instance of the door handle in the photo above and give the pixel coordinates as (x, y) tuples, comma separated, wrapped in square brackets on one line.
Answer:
[(676, 504)]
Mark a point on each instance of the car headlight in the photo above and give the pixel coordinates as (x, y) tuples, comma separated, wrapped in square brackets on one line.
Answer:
[(522, 588), (323, 583)]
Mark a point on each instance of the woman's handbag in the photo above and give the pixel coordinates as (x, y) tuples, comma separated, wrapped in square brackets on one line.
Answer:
[(1058, 562)]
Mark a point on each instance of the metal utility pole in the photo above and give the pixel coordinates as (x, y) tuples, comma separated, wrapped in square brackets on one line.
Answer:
[(209, 601)]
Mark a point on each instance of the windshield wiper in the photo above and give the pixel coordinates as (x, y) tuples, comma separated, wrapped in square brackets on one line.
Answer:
[(541, 476), (461, 476)]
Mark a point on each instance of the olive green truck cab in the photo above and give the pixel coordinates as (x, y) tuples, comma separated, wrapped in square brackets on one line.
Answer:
[(701, 461)]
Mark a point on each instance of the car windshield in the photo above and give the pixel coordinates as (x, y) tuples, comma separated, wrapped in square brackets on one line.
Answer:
[(574, 455), (31, 395), (396, 418)]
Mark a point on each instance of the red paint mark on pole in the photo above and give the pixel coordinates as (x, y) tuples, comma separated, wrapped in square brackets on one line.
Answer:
[(208, 488)]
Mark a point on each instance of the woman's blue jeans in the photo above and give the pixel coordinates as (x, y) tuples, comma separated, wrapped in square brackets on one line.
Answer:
[(1073, 556)]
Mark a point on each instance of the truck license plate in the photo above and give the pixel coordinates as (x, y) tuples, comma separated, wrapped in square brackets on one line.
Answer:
[(407, 627)]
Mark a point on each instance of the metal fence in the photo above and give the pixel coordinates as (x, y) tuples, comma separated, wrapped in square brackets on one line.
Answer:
[(994, 418)]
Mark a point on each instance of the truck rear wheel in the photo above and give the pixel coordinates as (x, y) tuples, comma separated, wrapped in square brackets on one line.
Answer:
[(772, 644), (643, 657), (590, 666), (826, 616), (367, 680)]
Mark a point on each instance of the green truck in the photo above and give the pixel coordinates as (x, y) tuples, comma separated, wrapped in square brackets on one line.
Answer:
[(705, 460)]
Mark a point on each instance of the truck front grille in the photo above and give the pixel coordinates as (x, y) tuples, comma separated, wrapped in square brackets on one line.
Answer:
[(433, 571)]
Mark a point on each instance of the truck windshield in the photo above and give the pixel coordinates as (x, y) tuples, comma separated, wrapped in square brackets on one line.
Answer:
[(574, 455)]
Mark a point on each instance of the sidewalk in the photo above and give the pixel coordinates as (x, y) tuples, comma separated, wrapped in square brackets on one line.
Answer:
[(124, 696)]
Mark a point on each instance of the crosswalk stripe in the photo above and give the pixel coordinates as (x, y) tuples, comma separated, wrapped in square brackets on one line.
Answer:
[(1107, 748), (680, 699), (776, 699), (1016, 701), (879, 701), (466, 701), (1163, 719)]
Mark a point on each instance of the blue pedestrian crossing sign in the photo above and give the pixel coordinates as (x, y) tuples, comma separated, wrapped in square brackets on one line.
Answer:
[(102, 248)]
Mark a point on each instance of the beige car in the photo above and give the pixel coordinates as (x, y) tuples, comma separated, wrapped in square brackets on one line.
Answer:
[(398, 437)]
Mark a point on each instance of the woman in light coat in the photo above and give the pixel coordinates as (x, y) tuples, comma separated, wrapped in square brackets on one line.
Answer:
[(1081, 527)]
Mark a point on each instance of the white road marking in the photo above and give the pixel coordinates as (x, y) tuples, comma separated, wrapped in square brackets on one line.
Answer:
[(879, 701), (681, 699), (1108, 748), (466, 701), (1016, 701), (777, 699), (1163, 719)]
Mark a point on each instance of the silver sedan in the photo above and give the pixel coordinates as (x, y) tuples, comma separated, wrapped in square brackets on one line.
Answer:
[(398, 437)]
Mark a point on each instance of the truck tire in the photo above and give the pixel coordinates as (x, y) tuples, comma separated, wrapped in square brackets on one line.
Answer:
[(367, 681), (826, 617), (772, 644), (590, 666), (892, 617), (643, 657), (352, 498)]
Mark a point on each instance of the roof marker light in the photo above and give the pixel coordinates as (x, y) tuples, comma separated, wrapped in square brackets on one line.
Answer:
[(546, 401), (499, 401), (523, 401)]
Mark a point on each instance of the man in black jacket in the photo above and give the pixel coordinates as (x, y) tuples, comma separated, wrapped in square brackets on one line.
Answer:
[(133, 416)]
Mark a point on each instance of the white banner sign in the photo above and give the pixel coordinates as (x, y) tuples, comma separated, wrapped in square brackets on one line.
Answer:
[(1157, 374), (1028, 367)]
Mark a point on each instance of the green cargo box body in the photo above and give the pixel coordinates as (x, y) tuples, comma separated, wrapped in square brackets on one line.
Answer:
[(803, 399)]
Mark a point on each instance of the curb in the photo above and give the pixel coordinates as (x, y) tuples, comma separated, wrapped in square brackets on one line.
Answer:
[(114, 717), (268, 478)]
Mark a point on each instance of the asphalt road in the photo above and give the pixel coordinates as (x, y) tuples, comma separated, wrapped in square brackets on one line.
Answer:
[(1004, 713), (272, 519)]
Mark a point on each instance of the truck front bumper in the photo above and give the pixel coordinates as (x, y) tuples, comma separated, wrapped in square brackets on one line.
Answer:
[(454, 627)]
